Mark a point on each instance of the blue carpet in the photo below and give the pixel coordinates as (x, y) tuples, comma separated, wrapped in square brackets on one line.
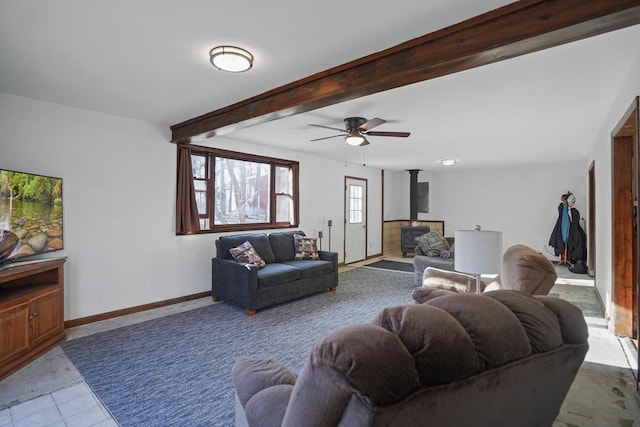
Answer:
[(176, 371)]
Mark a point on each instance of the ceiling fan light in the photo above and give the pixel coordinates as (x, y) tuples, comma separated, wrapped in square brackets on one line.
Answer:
[(354, 138), (230, 58)]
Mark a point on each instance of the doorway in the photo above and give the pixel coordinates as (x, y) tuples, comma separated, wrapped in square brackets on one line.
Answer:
[(624, 241), (355, 224), (591, 227)]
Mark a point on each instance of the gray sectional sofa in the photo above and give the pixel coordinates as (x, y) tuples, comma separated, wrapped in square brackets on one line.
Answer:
[(283, 278), (421, 262)]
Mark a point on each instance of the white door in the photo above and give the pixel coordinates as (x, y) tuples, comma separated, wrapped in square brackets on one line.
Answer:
[(355, 229)]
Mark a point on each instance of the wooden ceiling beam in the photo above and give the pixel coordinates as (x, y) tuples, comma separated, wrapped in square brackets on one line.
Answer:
[(517, 29)]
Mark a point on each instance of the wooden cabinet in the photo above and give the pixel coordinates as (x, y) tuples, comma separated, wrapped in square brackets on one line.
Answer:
[(31, 311)]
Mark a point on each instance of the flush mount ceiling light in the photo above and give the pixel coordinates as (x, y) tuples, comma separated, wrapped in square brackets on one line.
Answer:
[(448, 162), (354, 137), (231, 58)]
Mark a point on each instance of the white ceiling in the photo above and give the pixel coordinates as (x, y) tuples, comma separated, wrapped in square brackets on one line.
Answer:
[(148, 60)]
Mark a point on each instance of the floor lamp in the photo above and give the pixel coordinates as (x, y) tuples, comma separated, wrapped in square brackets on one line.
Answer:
[(478, 252)]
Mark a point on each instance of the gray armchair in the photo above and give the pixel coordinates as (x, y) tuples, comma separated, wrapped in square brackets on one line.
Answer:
[(503, 358)]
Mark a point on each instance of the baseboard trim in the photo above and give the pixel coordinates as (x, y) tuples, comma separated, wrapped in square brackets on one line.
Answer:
[(131, 310)]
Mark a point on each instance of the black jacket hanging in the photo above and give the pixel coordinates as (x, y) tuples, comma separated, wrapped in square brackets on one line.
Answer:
[(556, 241), (577, 241)]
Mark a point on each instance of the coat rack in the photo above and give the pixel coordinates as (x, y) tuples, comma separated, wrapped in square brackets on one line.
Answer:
[(557, 231)]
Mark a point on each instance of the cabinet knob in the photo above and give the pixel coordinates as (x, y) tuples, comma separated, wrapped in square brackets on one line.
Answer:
[(32, 315)]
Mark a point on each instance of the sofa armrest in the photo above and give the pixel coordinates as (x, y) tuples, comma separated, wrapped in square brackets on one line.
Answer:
[(251, 375), (263, 388), (329, 256), (234, 282), (333, 258)]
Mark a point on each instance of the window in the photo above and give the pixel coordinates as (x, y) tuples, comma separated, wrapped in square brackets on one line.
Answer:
[(199, 167), (355, 204), (237, 191)]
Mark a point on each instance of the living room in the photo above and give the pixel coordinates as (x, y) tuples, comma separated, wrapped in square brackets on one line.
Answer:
[(119, 178)]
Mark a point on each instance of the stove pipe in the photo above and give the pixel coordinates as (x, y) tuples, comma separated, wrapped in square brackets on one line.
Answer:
[(413, 194)]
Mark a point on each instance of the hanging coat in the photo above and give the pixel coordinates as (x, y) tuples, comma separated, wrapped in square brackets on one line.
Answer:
[(557, 239), (577, 241)]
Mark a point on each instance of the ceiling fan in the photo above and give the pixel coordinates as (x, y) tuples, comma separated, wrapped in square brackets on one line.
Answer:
[(357, 128)]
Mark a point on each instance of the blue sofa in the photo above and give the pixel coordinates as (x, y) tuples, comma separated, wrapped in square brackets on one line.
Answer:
[(282, 279)]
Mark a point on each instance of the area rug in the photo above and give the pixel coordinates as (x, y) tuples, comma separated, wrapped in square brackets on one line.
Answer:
[(392, 265), (176, 371)]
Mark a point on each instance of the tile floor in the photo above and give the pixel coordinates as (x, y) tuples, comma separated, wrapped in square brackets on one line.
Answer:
[(75, 405), (50, 391)]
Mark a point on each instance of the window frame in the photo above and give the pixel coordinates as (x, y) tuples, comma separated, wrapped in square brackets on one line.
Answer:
[(273, 163)]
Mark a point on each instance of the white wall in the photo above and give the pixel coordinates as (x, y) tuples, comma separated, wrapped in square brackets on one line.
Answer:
[(601, 156), (119, 180), (521, 201)]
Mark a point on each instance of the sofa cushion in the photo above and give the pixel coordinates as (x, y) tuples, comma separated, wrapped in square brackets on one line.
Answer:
[(372, 360), (247, 254), (277, 274), (311, 268), (432, 243), (260, 242), (540, 323), (498, 341), (442, 349), (282, 245), (422, 294), (306, 247)]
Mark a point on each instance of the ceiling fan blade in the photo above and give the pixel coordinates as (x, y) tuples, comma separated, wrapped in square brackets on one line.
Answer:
[(383, 133), (327, 137), (327, 127), (373, 123), (364, 142)]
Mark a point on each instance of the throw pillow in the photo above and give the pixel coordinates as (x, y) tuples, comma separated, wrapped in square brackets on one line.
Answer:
[(306, 247), (246, 253), (432, 243)]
